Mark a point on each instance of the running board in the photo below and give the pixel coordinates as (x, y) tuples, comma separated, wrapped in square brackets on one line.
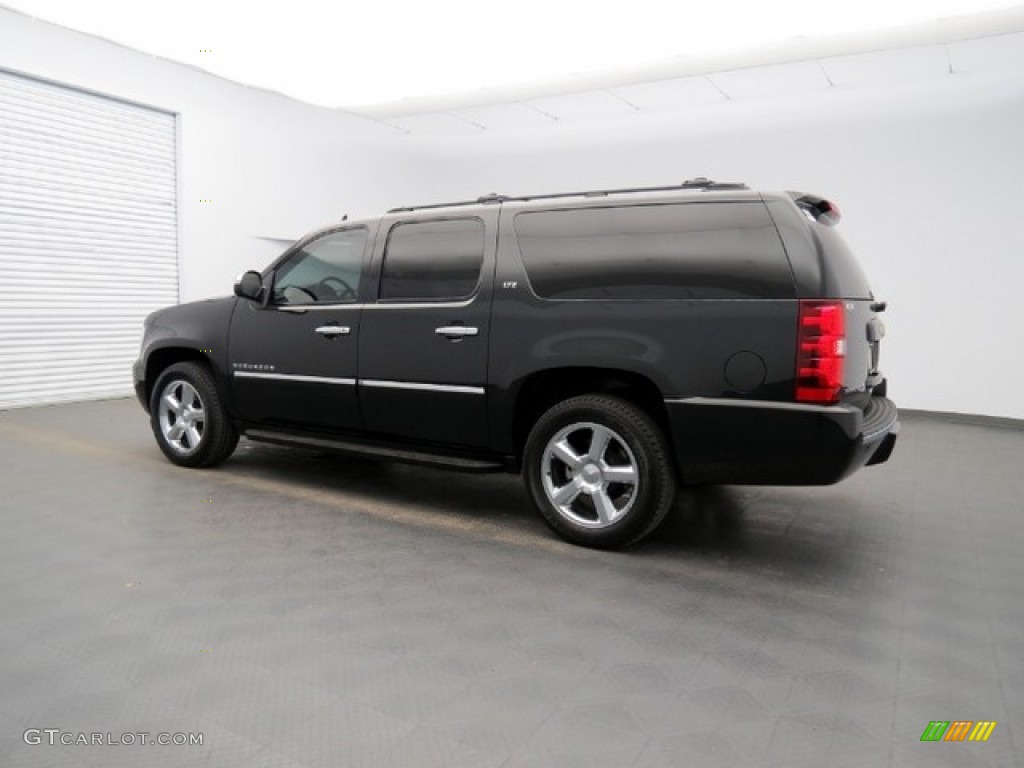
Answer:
[(408, 456)]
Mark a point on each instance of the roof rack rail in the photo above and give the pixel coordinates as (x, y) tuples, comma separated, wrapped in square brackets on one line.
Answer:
[(700, 182)]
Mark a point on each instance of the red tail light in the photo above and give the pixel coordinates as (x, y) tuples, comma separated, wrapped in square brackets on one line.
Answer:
[(821, 350)]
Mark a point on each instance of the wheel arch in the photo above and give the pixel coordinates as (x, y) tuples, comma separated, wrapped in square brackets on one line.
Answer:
[(161, 359), (543, 389)]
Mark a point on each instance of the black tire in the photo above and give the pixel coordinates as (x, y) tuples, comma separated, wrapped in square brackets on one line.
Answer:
[(189, 384), (621, 489)]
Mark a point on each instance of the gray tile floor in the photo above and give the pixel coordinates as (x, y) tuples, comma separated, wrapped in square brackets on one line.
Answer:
[(299, 609)]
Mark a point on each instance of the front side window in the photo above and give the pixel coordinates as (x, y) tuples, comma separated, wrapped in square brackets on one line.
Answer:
[(324, 271), (432, 260)]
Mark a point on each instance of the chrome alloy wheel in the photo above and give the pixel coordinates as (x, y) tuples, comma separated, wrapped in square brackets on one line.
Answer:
[(590, 475), (182, 417)]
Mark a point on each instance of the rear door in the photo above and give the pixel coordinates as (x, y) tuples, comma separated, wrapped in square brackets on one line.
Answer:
[(423, 341)]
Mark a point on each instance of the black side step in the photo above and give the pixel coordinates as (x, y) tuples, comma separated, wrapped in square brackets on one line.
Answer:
[(408, 456)]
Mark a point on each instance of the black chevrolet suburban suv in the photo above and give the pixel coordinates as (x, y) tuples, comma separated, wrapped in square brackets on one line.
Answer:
[(609, 345)]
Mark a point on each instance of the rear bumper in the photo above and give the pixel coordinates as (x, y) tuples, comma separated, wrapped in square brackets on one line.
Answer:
[(770, 443)]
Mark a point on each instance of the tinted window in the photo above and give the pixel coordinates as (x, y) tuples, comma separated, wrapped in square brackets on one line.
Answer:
[(432, 260), (325, 271), (696, 250)]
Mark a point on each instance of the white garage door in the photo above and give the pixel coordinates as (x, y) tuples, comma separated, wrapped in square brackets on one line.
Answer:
[(88, 239)]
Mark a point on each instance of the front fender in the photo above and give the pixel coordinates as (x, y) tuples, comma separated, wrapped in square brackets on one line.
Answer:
[(194, 331)]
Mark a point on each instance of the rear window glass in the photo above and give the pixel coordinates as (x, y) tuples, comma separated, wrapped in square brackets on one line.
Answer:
[(682, 251)]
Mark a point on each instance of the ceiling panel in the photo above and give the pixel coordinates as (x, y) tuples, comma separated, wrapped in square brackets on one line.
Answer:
[(583, 106), (901, 65), (436, 123), (435, 57), (677, 93), (773, 81), (1004, 53), (498, 117)]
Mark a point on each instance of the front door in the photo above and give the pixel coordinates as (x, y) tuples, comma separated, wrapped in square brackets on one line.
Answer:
[(423, 342), (294, 361)]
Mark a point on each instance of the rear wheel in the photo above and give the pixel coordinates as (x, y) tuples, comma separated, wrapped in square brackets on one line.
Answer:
[(189, 421), (599, 471)]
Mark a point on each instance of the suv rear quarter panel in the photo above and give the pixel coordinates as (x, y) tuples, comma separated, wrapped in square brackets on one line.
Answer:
[(825, 268), (686, 348)]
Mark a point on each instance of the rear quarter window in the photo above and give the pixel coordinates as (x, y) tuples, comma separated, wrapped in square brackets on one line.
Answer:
[(677, 251)]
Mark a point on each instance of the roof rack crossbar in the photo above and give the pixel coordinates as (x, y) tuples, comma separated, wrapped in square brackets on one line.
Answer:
[(701, 183)]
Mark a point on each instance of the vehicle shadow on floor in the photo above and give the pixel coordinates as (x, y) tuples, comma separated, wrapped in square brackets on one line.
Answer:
[(787, 532)]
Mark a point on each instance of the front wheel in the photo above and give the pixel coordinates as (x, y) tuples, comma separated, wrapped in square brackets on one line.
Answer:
[(189, 420), (600, 471)]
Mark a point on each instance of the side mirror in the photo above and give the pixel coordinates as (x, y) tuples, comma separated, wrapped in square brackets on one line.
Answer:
[(249, 286)]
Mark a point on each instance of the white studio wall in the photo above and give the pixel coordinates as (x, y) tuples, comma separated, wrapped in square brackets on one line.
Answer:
[(924, 164), (232, 175), (271, 167), (927, 175), (88, 237)]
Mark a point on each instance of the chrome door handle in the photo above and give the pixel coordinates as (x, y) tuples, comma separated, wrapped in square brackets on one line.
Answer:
[(456, 331), (330, 331)]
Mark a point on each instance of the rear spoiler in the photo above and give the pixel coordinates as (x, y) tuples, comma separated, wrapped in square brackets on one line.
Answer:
[(816, 208)]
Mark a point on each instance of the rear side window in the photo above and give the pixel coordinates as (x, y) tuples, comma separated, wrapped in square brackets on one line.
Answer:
[(432, 260), (682, 251)]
